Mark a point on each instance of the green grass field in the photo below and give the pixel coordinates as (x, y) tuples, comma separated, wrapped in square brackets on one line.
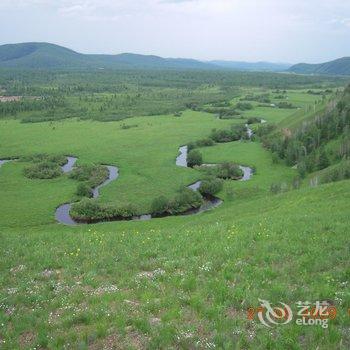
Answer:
[(171, 283)]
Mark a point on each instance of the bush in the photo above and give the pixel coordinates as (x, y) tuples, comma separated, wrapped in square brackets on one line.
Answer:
[(253, 120), (200, 143), (94, 175), (244, 106), (125, 211), (211, 186), (222, 136), (235, 133), (45, 166), (159, 205), (185, 200), (285, 105), (194, 158), (263, 98), (44, 170), (229, 170), (84, 190), (89, 210), (207, 142), (225, 113), (45, 158)]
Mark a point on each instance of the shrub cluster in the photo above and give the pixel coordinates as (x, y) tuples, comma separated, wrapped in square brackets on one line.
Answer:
[(91, 176), (44, 170), (263, 98), (285, 105), (44, 166), (253, 120), (211, 186), (94, 174), (226, 171), (194, 158), (90, 210), (184, 201), (43, 157), (235, 133), (206, 142), (244, 106)]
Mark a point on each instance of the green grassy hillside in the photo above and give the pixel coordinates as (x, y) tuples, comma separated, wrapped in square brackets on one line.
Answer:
[(340, 66), (181, 282)]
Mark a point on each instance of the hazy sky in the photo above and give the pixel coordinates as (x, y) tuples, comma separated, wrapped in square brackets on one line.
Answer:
[(251, 30)]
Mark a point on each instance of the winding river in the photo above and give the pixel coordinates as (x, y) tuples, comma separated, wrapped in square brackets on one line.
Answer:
[(66, 168), (62, 213)]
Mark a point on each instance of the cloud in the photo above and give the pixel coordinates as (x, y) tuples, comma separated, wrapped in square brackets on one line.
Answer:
[(227, 29)]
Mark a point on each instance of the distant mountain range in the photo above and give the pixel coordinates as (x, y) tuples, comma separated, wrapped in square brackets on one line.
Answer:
[(252, 66), (340, 66), (51, 56)]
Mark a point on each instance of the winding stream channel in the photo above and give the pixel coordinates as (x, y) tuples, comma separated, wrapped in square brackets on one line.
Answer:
[(62, 213)]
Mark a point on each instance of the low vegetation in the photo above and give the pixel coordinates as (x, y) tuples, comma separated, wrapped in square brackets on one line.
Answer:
[(44, 166), (194, 158), (184, 201), (235, 133), (226, 171), (253, 120), (90, 210), (206, 142), (90, 177), (211, 186), (180, 282)]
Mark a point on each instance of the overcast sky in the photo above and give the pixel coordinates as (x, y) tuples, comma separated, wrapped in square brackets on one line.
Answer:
[(250, 30)]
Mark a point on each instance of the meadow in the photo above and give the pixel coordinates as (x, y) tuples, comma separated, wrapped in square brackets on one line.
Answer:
[(181, 282)]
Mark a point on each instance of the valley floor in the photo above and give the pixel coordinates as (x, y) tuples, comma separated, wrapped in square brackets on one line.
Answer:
[(177, 282)]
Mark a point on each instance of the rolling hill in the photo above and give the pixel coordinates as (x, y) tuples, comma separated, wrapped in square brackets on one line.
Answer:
[(252, 66), (50, 56), (340, 66)]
